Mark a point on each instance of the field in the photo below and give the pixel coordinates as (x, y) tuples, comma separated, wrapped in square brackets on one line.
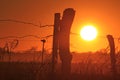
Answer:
[(86, 66)]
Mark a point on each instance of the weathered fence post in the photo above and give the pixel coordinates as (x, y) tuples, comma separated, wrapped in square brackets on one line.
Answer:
[(55, 40), (43, 44), (64, 46), (112, 55)]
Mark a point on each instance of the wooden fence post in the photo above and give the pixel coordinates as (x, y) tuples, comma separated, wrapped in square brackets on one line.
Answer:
[(112, 55), (64, 45), (55, 40)]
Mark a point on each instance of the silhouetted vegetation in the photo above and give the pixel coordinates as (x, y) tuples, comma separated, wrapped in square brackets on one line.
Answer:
[(42, 65), (85, 66)]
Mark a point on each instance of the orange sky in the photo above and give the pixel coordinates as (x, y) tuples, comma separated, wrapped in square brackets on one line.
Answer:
[(103, 14)]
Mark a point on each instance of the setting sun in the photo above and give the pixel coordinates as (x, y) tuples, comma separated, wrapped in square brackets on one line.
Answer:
[(88, 33)]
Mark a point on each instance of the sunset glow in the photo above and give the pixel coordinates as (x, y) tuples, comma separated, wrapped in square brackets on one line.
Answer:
[(88, 33), (60, 40), (103, 14)]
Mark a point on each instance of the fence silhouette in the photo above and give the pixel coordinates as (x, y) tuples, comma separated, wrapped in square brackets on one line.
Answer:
[(60, 28)]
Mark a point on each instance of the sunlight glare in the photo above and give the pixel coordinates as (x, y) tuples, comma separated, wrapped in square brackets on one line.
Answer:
[(88, 33)]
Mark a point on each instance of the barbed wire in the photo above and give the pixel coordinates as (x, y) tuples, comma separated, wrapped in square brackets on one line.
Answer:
[(38, 37), (24, 22), (19, 37), (35, 36), (19, 21)]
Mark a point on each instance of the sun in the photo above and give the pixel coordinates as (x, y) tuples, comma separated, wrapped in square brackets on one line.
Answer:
[(88, 33)]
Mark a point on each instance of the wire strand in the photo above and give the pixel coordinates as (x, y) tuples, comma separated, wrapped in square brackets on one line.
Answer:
[(30, 23), (17, 37)]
